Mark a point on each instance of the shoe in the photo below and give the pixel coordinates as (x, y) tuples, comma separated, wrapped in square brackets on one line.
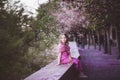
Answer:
[(82, 75)]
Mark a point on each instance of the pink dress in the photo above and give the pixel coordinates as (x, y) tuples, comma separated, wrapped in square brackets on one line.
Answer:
[(64, 50)]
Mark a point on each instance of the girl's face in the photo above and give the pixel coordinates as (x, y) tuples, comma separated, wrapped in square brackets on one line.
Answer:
[(63, 39)]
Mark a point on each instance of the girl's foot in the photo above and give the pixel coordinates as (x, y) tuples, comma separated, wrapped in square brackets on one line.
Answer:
[(82, 75)]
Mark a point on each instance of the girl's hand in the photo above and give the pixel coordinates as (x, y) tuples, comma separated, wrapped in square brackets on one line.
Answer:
[(57, 64), (70, 59)]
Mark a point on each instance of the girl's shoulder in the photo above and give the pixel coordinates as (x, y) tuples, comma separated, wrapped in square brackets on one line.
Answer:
[(60, 45)]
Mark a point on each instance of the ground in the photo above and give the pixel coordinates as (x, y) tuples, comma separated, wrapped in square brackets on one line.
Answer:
[(100, 66)]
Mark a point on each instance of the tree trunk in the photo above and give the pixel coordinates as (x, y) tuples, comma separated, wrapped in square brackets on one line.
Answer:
[(108, 41), (105, 42), (118, 39), (94, 42), (99, 44), (88, 40)]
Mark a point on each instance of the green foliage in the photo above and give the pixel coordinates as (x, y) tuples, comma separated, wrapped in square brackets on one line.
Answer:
[(88, 1), (12, 39), (46, 34), (45, 25), (22, 50), (105, 11)]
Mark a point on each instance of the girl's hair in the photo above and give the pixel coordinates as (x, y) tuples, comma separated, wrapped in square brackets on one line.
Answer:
[(65, 36)]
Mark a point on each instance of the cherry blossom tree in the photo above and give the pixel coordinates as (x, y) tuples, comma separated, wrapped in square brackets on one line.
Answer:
[(71, 14)]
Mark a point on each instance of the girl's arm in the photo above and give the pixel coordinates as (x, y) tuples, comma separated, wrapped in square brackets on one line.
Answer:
[(59, 57), (70, 58), (60, 50)]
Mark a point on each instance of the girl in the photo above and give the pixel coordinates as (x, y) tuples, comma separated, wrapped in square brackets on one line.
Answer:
[(64, 56)]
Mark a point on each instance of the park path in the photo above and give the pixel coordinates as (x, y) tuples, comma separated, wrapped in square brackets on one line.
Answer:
[(100, 66)]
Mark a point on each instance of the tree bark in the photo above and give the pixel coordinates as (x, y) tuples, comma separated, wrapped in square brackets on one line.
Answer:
[(118, 39), (94, 40), (99, 44), (105, 43), (108, 41), (88, 39)]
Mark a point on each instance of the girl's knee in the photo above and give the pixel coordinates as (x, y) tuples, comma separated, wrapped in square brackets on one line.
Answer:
[(75, 61)]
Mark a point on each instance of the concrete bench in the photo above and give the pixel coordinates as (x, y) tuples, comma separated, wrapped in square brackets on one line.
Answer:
[(53, 72)]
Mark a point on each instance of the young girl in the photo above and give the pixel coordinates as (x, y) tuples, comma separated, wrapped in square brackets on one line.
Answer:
[(64, 56)]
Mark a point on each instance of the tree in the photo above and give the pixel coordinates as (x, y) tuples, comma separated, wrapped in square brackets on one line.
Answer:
[(12, 38)]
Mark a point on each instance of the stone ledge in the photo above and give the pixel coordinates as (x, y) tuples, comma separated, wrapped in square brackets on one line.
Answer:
[(53, 72)]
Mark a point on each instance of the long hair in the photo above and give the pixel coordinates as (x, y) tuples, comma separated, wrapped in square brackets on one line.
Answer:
[(66, 38)]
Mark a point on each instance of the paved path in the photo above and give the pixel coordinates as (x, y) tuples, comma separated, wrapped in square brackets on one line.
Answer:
[(100, 66)]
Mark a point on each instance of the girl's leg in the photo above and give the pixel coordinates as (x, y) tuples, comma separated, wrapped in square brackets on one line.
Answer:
[(77, 63), (78, 67)]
